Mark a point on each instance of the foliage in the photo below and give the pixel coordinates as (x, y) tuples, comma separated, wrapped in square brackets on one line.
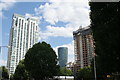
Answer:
[(105, 25), (5, 74), (85, 73), (20, 72), (65, 72), (41, 61)]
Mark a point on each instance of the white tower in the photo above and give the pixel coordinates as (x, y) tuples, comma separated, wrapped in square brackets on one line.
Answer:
[(23, 35)]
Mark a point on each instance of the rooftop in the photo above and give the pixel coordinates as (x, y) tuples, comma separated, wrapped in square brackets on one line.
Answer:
[(30, 18), (82, 30)]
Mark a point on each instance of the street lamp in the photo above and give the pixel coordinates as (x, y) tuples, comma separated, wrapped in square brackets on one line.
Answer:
[(95, 68), (65, 71), (74, 66)]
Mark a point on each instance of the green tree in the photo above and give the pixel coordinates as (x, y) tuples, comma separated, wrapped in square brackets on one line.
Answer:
[(65, 72), (105, 23), (20, 73), (41, 61), (85, 74), (5, 74)]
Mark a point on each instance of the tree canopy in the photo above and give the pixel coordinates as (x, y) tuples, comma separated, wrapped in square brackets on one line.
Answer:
[(20, 73), (4, 72), (85, 74), (105, 23), (41, 61), (65, 72)]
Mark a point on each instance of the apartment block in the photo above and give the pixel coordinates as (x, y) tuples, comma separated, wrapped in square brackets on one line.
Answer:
[(83, 47), (23, 35)]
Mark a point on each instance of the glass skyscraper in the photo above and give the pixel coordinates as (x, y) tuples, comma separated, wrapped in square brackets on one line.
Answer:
[(62, 56), (23, 35)]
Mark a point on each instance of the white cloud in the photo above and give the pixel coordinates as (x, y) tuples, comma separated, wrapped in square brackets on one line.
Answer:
[(0, 14), (5, 5), (65, 11), (73, 12), (8, 0), (57, 31), (3, 62), (70, 47), (24, 1), (27, 15)]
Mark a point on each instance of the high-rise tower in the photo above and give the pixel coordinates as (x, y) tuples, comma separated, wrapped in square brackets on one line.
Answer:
[(62, 56), (83, 47), (23, 35)]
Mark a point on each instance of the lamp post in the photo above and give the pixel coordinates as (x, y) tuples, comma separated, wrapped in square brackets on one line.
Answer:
[(65, 71), (74, 66), (95, 68)]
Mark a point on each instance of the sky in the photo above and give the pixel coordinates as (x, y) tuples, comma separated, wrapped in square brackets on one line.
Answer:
[(57, 21)]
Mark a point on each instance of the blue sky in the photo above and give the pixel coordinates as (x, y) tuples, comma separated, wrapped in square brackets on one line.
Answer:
[(57, 21)]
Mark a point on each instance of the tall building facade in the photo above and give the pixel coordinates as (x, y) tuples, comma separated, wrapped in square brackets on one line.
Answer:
[(62, 56), (83, 47), (23, 35)]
